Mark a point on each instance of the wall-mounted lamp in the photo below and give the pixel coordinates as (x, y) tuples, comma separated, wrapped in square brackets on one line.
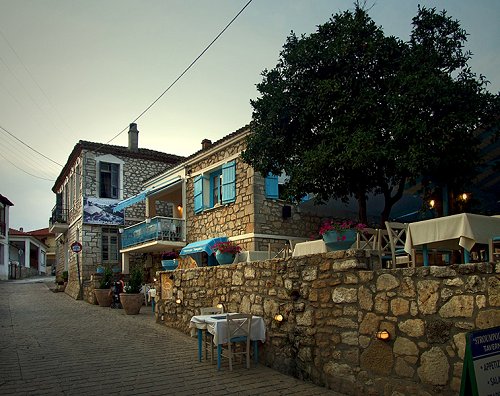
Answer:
[(383, 335), (278, 317), (432, 203), (178, 301), (154, 279), (464, 197), (179, 207), (221, 305)]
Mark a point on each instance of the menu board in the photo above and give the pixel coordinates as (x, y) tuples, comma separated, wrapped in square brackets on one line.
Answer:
[(481, 371)]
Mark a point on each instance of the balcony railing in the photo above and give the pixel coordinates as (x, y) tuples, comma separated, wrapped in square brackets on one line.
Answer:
[(157, 229), (59, 219)]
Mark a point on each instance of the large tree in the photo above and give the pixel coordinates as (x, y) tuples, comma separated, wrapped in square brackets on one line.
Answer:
[(348, 110)]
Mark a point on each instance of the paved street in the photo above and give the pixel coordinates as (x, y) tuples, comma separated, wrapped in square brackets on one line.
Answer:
[(51, 344)]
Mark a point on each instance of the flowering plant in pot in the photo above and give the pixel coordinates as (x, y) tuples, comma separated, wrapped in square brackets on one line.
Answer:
[(340, 234), (225, 251), (103, 292), (132, 298)]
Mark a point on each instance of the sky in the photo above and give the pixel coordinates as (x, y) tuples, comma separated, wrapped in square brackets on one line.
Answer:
[(84, 70)]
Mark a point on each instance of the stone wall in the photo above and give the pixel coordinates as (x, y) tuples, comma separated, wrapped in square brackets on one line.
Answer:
[(333, 306)]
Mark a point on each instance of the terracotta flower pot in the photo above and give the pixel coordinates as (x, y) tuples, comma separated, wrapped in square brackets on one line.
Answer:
[(104, 297), (131, 302)]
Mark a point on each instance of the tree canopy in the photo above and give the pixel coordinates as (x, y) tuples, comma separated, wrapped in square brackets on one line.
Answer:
[(348, 110)]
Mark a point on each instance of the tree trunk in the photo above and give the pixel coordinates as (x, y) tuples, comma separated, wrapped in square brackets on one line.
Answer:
[(362, 216), (389, 200)]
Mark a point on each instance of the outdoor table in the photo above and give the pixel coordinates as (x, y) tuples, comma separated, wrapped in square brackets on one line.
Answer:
[(217, 326), (310, 247), (451, 232)]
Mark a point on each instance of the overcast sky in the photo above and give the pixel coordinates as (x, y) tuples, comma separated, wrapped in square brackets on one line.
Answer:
[(72, 70)]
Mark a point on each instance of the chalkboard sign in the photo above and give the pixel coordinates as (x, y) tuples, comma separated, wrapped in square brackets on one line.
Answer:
[(481, 371)]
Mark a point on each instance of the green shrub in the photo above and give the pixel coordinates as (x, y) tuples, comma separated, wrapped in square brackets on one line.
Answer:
[(135, 281), (105, 282)]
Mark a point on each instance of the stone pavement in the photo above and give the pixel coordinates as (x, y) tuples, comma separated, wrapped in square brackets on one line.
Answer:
[(51, 344)]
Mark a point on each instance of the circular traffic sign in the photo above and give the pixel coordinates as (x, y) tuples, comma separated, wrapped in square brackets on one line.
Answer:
[(76, 247)]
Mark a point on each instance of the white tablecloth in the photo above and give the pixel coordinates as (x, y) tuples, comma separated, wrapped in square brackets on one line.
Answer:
[(310, 247), (217, 325), (451, 232)]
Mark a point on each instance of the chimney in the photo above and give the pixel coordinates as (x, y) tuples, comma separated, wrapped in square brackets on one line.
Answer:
[(206, 144), (133, 138)]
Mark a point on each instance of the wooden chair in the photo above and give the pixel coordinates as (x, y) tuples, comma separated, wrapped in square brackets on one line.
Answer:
[(208, 339), (238, 339), (397, 237), (494, 249), (367, 239)]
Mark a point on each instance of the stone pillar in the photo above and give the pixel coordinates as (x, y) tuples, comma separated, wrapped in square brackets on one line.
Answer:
[(125, 263), (27, 247)]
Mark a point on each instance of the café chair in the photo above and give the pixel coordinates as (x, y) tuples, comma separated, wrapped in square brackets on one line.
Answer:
[(367, 239), (494, 249), (238, 339), (397, 237), (208, 339)]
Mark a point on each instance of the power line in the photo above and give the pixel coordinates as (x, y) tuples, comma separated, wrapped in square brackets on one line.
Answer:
[(31, 174), (185, 70), (31, 148)]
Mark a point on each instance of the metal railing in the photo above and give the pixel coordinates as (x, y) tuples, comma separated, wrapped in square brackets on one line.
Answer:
[(59, 215), (155, 229)]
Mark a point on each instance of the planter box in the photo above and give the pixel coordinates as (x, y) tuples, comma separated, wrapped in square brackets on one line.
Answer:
[(339, 240), (169, 264)]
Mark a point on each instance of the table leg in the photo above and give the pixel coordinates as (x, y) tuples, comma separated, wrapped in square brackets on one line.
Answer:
[(425, 254), (200, 336), (256, 352), (219, 353), (466, 256)]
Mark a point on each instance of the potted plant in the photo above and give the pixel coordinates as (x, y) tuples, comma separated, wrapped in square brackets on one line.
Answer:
[(103, 291), (169, 260), (340, 234), (226, 251), (132, 298)]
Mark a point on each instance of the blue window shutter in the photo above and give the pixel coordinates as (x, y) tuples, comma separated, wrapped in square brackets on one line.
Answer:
[(198, 194), (229, 182), (272, 186)]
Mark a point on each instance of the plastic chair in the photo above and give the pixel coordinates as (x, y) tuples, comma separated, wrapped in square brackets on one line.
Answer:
[(238, 332), (208, 339)]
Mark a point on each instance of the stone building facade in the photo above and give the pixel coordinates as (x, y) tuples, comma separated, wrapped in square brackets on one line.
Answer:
[(253, 220), (96, 177), (333, 306)]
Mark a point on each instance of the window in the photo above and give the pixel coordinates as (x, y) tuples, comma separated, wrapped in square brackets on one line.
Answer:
[(216, 188), (275, 185), (109, 245), (108, 180), (77, 181)]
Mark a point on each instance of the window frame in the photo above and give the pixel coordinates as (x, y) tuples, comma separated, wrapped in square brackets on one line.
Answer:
[(113, 257), (114, 179), (220, 180)]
